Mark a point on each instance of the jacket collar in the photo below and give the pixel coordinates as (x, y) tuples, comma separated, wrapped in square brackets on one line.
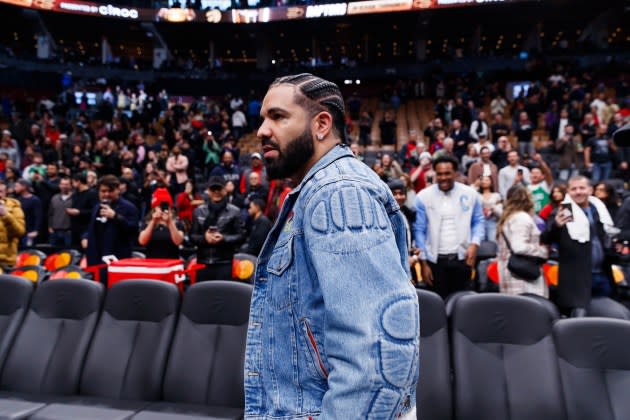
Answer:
[(338, 152)]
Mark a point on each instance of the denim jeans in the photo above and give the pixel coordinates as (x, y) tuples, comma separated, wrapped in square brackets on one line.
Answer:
[(601, 171), (490, 233)]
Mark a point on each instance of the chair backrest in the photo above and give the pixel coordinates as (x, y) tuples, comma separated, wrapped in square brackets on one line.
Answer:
[(34, 273), (15, 295), (449, 302), (61, 259), (69, 272), (504, 361), (594, 366), (551, 307), (206, 361), (244, 267), (433, 392), (30, 257), (128, 353), (607, 308), (50, 347)]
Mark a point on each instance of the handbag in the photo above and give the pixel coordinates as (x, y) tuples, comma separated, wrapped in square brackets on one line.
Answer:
[(525, 267)]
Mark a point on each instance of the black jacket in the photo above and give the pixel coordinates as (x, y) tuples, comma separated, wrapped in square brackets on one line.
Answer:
[(259, 230), (229, 224), (574, 263), (84, 201)]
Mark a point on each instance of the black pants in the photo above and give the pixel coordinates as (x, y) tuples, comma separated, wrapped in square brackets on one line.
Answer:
[(450, 275)]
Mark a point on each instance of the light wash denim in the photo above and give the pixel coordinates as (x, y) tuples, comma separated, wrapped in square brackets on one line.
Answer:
[(490, 230), (334, 321)]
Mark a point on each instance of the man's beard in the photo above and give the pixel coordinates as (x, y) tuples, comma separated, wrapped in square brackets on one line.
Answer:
[(289, 161)]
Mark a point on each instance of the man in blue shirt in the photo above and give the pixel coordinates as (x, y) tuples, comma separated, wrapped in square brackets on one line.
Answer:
[(334, 321)]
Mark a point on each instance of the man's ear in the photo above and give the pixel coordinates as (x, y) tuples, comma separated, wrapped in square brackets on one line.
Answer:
[(322, 125)]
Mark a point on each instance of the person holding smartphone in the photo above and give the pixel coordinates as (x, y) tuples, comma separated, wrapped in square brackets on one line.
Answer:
[(513, 174), (580, 228), (113, 227), (217, 230), (160, 234)]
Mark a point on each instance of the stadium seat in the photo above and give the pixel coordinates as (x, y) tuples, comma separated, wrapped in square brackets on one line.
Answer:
[(594, 367), (607, 308), (504, 361), (46, 358), (30, 257), (244, 267), (449, 302), (128, 353), (50, 347), (138, 321), (433, 392), (34, 273), (546, 303), (61, 259), (15, 294), (204, 375)]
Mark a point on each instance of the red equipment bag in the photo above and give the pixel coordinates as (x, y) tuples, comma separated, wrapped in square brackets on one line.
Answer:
[(168, 270)]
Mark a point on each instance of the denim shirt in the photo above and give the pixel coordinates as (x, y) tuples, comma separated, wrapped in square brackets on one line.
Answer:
[(334, 321)]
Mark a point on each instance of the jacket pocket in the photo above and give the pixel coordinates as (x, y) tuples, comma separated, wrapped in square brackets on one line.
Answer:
[(281, 275), (313, 350), (281, 258)]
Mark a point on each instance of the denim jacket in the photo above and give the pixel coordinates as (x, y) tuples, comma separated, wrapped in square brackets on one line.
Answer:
[(334, 321)]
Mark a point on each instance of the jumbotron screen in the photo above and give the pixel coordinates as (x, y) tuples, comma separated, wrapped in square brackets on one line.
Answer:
[(219, 12)]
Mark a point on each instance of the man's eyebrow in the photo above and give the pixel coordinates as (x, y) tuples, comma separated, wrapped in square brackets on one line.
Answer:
[(274, 110)]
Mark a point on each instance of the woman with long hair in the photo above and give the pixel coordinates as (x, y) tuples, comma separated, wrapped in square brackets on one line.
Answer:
[(606, 192), (556, 196), (492, 207), (516, 226)]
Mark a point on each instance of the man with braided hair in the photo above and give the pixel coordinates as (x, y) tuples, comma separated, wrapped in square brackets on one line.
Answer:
[(334, 321)]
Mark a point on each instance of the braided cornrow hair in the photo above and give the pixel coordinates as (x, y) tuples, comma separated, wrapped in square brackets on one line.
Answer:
[(318, 95)]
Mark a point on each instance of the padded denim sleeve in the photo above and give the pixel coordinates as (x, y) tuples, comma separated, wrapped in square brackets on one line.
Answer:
[(372, 319), (478, 222), (420, 228)]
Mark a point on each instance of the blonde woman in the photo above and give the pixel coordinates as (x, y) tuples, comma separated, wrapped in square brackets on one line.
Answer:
[(518, 226)]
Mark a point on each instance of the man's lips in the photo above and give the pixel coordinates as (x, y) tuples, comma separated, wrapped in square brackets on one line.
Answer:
[(270, 151)]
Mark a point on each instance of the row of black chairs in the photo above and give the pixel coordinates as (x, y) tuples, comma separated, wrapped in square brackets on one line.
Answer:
[(512, 357), (68, 350), (64, 354)]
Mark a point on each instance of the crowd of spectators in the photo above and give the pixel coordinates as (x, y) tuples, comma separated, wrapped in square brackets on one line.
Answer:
[(520, 159), (145, 170)]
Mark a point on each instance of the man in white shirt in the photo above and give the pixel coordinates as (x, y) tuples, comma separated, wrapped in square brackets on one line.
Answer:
[(513, 173), (479, 127), (448, 229)]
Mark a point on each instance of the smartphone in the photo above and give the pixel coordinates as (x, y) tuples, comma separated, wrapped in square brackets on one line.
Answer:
[(519, 171), (104, 204), (213, 229), (430, 179), (567, 206), (164, 206)]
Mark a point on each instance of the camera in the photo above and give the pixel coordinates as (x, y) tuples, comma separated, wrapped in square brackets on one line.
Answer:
[(164, 206)]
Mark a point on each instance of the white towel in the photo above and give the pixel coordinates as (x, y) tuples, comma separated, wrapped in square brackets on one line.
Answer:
[(580, 229)]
